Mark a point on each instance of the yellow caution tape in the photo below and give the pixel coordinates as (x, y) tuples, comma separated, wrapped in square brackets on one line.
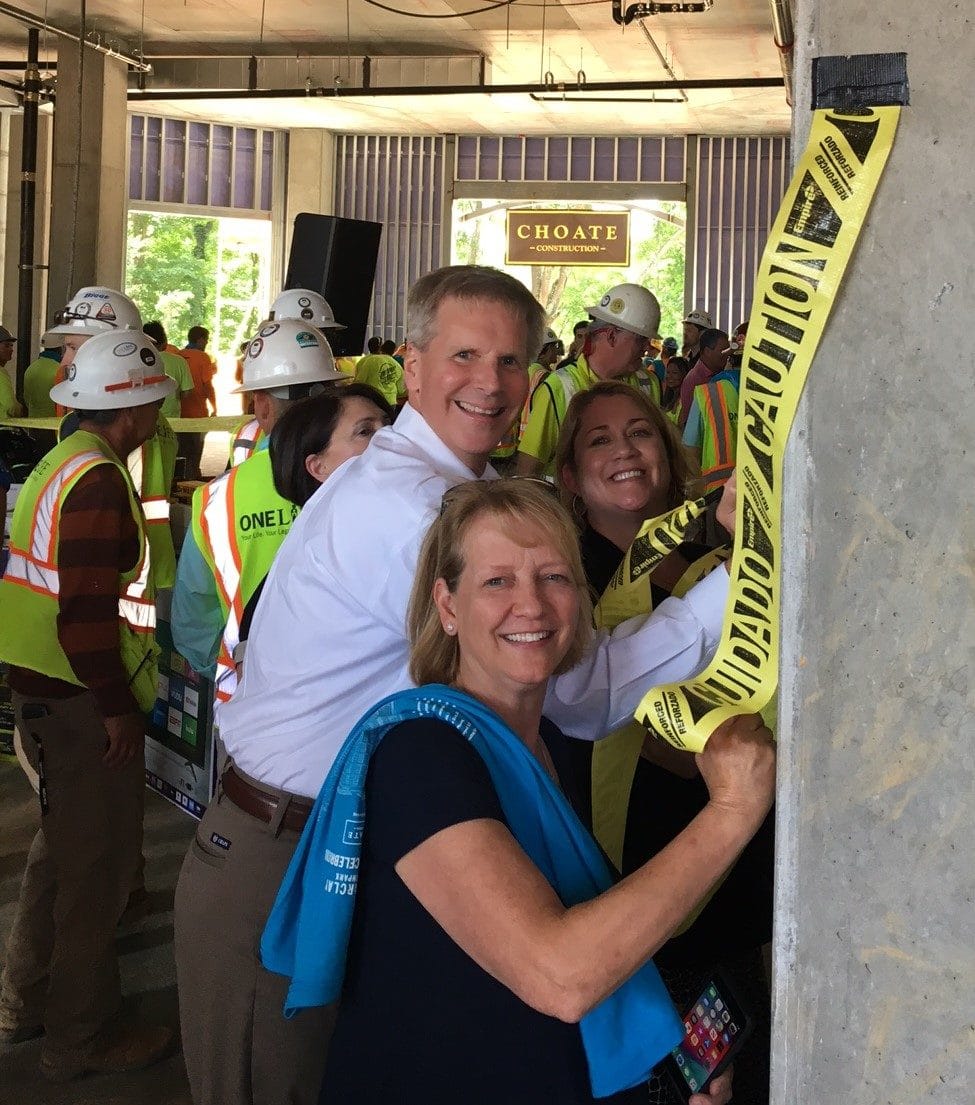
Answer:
[(803, 265), (628, 592), (614, 759), (224, 423)]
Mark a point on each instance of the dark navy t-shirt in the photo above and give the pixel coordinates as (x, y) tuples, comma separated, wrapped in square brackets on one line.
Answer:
[(419, 1021)]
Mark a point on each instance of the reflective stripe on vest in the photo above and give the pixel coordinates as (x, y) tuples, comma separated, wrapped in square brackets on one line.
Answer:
[(245, 442), (718, 444), (35, 568), (156, 510), (217, 517)]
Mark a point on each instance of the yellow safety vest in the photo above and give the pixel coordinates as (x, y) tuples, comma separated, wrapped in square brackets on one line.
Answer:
[(30, 587), (239, 522), (152, 467), (718, 401)]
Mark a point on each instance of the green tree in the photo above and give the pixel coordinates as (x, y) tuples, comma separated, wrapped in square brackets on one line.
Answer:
[(660, 260), (171, 266)]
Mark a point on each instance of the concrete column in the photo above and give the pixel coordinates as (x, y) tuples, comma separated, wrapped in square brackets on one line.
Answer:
[(11, 137), (310, 183), (90, 131), (874, 960)]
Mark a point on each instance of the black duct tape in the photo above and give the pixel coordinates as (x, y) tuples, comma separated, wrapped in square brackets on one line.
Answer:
[(860, 80)]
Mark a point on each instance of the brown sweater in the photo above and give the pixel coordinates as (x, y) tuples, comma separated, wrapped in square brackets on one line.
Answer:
[(97, 541)]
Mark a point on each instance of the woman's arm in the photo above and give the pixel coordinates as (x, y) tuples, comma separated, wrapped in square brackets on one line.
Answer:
[(481, 888)]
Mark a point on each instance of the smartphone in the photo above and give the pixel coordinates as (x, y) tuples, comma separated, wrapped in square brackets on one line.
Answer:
[(715, 1027)]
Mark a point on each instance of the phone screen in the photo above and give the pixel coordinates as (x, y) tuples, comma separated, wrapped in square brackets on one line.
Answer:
[(711, 1029)]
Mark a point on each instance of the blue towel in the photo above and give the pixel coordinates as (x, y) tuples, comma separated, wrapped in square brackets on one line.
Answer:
[(307, 934)]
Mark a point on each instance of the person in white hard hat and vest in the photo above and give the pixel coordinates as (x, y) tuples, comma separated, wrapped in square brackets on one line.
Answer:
[(305, 306), (622, 321), (99, 310), (239, 520), (78, 601)]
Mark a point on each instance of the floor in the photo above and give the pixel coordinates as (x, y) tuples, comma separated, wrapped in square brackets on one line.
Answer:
[(145, 956)]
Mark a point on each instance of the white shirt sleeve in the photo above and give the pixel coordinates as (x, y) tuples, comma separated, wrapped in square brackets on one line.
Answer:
[(674, 642)]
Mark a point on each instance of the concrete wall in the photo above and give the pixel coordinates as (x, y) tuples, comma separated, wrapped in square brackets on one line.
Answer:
[(874, 962), (88, 208), (309, 180)]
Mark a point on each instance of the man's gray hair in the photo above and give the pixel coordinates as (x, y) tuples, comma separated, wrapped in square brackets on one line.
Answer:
[(469, 283)]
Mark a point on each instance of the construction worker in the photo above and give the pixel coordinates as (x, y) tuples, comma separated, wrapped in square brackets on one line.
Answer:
[(94, 311), (176, 367), (622, 321), (297, 303), (384, 373), (711, 430), (78, 600), (9, 407), (40, 378), (239, 520), (544, 363)]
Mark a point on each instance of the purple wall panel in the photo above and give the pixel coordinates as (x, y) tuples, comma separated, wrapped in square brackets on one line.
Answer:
[(199, 164), (740, 182)]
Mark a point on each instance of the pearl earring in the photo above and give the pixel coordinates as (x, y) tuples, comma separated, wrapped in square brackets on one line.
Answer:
[(449, 627)]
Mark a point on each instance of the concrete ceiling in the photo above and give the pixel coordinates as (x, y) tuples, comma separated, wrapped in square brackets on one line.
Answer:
[(521, 42)]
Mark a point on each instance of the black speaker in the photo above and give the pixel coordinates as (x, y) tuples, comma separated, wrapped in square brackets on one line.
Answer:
[(337, 257)]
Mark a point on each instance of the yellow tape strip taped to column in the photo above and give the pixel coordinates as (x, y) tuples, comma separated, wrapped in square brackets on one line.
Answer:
[(804, 261)]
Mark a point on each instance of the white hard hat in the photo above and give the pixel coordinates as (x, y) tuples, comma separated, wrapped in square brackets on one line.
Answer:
[(630, 307), (700, 319), (550, 337), (114, 370), (308, 306), (287, 353), (94, 310)]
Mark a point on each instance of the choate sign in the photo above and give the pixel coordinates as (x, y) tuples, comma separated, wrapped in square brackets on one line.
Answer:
[(564, 237)]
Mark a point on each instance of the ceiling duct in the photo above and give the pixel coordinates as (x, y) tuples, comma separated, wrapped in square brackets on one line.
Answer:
[(316, 74)]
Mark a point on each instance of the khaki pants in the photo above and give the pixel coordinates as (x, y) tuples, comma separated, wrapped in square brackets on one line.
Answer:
[(238, 1046), (61, 968)]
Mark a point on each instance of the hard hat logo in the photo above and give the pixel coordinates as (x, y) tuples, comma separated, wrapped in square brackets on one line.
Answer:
[(307, 313), (604, 302), (83, 310), (617, 306), (112, 371), (304, 301), (288, 353), (106, 314)]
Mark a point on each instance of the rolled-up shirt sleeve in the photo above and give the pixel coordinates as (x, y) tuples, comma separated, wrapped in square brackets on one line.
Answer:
[(674, 642)]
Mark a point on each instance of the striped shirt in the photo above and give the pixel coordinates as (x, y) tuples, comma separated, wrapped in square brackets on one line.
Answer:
[(97, 541)]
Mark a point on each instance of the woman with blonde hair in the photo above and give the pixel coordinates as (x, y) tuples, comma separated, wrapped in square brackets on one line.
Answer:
[(443, 884)]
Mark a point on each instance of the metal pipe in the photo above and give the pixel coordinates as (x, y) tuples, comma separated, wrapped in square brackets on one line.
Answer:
[(668, 69), (28, 201), (30, 20), (641, 11), (343, 93), (783, 33), (8, 66)]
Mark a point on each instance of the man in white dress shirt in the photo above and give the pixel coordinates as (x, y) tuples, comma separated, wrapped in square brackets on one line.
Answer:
[(328, 640)]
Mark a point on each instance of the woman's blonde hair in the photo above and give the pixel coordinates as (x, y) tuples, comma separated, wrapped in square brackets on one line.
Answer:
[(565, 450), (526, 507)]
